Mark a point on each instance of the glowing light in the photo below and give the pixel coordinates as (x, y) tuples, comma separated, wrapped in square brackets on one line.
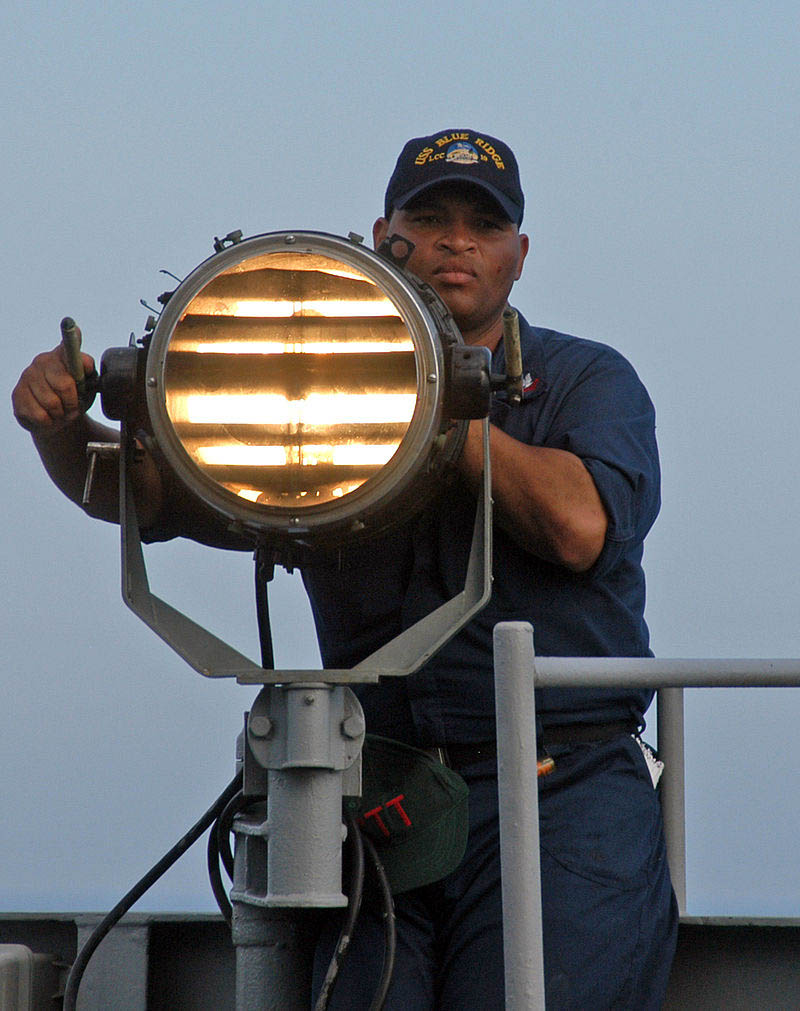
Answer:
[(309, 385), (257, 347), (308, 455), (274, 409), (364, 455), (242, 456), (334, 308)]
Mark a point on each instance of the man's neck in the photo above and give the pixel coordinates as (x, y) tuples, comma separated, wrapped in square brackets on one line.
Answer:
[(488, 337)]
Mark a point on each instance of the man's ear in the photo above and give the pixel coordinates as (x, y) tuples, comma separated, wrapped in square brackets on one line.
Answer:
[(524, 246), (379, 232)]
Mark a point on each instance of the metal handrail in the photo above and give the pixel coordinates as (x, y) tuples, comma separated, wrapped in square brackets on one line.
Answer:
[(517, 671)]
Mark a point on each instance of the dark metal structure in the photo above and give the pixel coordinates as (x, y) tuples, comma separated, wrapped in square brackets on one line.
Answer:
[(163, 962)]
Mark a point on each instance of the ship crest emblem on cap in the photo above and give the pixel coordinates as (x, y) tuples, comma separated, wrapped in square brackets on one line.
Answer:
[(462, 153)]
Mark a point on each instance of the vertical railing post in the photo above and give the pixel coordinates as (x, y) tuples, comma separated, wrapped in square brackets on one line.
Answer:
[(672, 786), (519, 816)]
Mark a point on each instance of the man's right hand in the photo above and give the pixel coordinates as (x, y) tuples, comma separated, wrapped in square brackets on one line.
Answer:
[(45, 399)]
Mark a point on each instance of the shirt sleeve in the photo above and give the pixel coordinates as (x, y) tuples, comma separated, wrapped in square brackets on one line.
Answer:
[(607, 419), (184, 515)]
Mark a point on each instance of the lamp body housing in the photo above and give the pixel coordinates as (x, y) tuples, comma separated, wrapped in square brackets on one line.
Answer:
[(303, 387)]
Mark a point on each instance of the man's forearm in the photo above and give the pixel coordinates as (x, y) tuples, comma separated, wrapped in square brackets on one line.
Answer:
[(65, 458), (545, 498)]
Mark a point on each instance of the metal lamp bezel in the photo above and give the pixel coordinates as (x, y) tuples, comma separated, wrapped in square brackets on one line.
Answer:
[(423, 448)]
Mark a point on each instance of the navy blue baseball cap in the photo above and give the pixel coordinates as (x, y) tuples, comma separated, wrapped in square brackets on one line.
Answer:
[(463, 155)]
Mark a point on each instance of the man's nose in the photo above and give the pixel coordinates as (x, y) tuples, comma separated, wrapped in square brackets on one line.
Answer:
[(457, 235)]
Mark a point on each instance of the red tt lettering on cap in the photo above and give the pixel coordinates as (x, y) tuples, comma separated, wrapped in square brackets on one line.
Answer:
[(376, 814), (395, 803)]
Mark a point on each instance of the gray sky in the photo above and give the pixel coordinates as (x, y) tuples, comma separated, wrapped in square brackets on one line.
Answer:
[(659, 150)]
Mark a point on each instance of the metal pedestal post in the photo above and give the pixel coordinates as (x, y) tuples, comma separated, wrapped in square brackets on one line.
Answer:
[(274, 957), (302, 748)]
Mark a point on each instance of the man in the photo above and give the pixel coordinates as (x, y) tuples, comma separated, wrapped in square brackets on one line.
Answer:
[(576, 488)]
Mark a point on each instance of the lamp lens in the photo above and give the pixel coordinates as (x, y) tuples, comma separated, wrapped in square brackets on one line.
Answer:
[(290, 379)]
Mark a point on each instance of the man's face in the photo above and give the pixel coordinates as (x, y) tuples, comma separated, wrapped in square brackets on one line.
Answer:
[(466, 249)]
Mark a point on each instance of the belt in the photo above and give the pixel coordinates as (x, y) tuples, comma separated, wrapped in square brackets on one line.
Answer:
[(587, 733), (459, 756)]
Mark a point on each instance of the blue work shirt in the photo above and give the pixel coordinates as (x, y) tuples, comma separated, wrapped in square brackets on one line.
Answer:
[(580, 396)]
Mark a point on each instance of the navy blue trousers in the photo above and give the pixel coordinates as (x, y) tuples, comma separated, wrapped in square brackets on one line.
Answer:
[(609, 913)]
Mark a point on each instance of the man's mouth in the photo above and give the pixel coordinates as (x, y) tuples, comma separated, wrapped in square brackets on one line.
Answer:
[(454, 273)]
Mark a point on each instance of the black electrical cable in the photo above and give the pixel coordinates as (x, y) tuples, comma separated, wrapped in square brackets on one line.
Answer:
[(141, 886), (222, 830), (215, 876), (264, 572), (224, 827), (353, 909), (219, 849), (389, 928), (362, 842)]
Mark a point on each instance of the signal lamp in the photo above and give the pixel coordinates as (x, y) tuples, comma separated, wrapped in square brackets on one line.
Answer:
[(305, 386)]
